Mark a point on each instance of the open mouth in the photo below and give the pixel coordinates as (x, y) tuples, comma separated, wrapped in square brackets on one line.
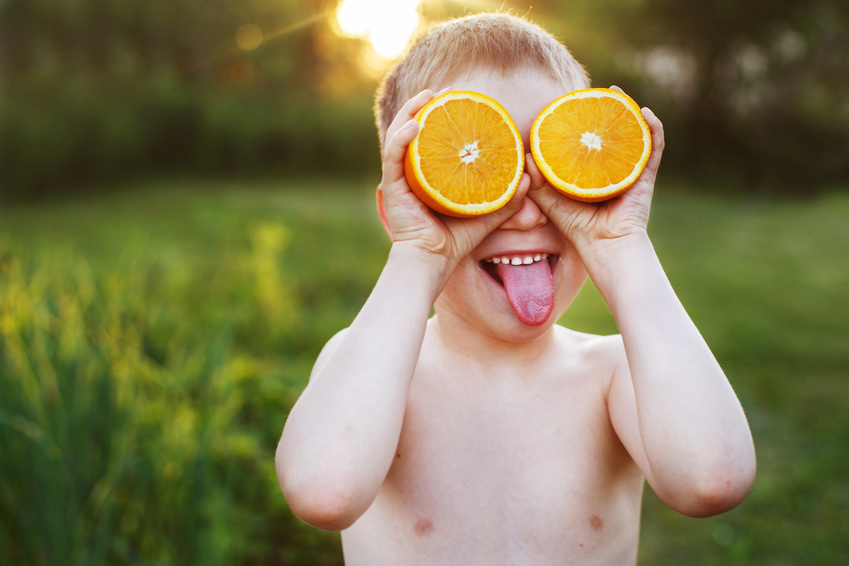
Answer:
[(490, 264), (528, 281)]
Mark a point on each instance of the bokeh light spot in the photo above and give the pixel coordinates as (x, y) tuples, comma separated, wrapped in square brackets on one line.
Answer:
[(248, 37)]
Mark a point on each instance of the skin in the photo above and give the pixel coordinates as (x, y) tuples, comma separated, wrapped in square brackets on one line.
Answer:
[(470, 438)]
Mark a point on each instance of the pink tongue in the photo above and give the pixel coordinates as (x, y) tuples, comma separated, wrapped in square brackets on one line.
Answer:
[(530, 290)]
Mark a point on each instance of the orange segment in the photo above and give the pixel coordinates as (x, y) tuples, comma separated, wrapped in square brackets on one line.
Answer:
[(591, 144), (467, 158)]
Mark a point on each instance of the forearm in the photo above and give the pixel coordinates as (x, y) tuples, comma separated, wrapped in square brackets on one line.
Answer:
[(341, 435), (691, 425)]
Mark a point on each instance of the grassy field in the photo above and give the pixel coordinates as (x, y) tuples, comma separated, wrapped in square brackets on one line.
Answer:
[(154, 339)]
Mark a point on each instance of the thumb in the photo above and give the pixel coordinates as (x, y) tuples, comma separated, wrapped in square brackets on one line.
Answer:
[(555, 205), (498, 217), (539, 190), (476, 229)]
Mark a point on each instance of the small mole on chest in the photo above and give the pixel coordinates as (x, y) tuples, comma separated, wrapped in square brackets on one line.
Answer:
[(423, 527)]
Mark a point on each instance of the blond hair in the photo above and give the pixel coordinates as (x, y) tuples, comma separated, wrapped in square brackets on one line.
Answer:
[(495, 41)]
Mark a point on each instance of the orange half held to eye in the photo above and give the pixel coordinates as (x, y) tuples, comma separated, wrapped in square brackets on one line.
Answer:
[(467, 158), (591, 144)]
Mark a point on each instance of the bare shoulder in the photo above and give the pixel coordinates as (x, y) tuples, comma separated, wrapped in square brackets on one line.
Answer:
[(593, 345), (602, 355)]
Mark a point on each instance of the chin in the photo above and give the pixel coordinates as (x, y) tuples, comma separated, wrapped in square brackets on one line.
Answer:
[(475, 297), (518, 331), (506, 327)]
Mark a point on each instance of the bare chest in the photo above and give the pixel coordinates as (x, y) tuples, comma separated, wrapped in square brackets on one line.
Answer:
[(534, 473)]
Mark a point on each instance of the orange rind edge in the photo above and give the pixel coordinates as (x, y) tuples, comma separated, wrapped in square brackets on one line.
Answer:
[(569, 189), (430, 195)]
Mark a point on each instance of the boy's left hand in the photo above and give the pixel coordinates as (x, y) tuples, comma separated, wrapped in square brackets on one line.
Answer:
[(591, 226)]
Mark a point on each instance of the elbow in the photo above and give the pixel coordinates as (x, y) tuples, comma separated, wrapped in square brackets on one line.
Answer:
[(324, 508), (319, 499), (713, 501), (717, 491)]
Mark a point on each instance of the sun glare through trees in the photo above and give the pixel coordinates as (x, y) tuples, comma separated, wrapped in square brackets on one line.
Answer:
[(386, 24)]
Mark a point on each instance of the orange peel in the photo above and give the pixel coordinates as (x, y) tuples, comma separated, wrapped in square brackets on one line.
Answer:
[(591, 144)]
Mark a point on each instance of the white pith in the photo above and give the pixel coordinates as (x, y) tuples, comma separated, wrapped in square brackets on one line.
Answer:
[(469, 153), (591, 140), (518, 259)]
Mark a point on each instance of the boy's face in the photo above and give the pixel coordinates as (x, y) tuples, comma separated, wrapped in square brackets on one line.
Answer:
[(476, 293)]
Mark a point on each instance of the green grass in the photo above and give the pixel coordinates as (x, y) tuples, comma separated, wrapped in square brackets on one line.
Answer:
[(153, 340)]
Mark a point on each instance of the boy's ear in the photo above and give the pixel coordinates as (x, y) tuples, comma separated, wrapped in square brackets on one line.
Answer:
[(381, 211)]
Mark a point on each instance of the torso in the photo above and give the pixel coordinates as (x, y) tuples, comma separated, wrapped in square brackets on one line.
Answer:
[(493, 469)]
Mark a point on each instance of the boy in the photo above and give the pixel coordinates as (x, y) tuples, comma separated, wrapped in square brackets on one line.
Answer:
[(474, 437)]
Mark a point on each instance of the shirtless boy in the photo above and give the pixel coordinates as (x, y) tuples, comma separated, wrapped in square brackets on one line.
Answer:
[(474, 437)]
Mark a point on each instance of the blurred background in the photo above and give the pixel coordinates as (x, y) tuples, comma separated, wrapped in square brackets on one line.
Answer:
[(186, 216), (751, 93)]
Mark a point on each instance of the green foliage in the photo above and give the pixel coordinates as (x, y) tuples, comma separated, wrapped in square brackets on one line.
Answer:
[(750, 93), (765, 283), (152, 343), (147, 366), (94, 91), (139, 129)]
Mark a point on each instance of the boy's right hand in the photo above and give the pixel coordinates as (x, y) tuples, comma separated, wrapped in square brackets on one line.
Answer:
[(410, 223)]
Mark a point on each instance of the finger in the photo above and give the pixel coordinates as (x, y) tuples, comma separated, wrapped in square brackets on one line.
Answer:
[(396, 147), (617, 89), (515, 203), (554, 204), (474, 230), (658, 140), (537, 179), (551, 202), (399, 135), (522, 189), (498, 217), (547, 199), (540, 191), (408, 111)]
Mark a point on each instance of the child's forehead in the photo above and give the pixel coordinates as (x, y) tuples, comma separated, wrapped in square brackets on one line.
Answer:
[(526, 79), (516, 86)]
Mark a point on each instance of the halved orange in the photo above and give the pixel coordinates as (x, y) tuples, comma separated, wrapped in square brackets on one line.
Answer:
[(467, 158), (591, 144)]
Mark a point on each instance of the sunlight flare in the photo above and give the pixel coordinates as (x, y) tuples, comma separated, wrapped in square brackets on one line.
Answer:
[(386, 24)]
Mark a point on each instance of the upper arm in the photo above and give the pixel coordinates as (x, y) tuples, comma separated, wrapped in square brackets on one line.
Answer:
[(691, 442), (622, 406)]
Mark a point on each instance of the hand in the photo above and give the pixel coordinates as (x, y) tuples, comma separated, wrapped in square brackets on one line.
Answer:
[(588, 225), (409, 221)]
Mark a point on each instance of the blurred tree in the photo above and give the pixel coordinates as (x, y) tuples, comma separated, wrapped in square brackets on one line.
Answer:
[(94, 90), (750, 93)]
